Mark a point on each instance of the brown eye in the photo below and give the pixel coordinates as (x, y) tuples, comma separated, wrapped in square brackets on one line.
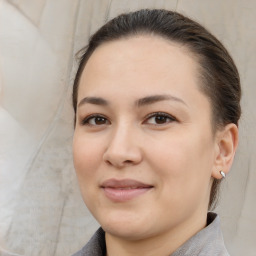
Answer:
[(95, 120), (160, 118), (99, 120)]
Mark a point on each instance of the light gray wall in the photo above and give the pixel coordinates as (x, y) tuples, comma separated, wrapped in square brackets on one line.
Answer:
[(41, 211)]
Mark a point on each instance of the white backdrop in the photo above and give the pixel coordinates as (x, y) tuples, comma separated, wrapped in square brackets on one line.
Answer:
[(41, 211)]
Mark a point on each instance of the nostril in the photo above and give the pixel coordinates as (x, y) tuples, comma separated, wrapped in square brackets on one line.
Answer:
[(121, 157), (128, 161), (119, 164), (108, 162)]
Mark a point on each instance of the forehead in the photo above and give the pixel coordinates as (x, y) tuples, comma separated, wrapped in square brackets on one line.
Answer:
[(144, 62), (142, 49)]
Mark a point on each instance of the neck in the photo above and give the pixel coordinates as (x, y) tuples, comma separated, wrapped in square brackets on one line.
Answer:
[(163, 244)]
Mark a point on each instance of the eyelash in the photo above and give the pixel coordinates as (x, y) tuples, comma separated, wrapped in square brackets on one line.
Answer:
[(86, 120), (161, 114)]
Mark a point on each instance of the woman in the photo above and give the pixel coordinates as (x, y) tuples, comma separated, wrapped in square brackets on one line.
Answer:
[(157, 103)]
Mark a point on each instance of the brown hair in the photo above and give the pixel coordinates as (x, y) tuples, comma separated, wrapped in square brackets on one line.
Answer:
[(220, 80)]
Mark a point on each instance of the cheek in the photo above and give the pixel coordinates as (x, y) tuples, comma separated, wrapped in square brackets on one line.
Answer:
[(179, 154), (183, 163), (86, 156), (87, 159)]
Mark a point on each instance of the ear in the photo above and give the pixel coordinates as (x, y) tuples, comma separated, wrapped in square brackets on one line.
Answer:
[(226, 145)]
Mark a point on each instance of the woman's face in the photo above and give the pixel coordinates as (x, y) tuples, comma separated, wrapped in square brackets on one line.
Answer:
[(143, 145)]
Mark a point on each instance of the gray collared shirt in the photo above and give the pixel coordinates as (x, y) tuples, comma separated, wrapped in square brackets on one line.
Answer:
[(207, 242)]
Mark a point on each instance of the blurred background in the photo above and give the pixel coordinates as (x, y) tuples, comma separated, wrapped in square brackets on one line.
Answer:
[(41, 210)]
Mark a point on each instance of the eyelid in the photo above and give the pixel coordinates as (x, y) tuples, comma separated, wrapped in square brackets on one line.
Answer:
[(84, 121), (173, 118)]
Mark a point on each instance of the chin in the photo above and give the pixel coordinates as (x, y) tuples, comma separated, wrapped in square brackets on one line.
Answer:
[(125, 225), (125, 232)]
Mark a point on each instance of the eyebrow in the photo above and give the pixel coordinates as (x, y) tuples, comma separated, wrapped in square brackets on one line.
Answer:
[(93, 100), (139, 103), (156, 98)]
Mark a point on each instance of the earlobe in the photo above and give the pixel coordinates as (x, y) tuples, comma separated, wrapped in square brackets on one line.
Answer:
[(226, 145)]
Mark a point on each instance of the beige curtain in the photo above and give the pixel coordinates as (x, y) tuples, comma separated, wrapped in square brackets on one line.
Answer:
[(41, 211)]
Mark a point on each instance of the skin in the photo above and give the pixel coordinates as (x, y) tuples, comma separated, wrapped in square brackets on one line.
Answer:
[(178, 156)]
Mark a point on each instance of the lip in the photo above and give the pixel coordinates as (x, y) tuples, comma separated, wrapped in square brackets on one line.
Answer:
[(124, 190)]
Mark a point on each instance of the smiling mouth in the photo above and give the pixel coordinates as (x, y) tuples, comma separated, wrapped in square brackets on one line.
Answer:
[(124, 190)]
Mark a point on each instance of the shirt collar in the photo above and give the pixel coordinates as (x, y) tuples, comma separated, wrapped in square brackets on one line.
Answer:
[(208, 241)]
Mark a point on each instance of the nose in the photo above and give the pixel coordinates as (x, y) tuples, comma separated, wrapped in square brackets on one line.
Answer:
[(123, 149)]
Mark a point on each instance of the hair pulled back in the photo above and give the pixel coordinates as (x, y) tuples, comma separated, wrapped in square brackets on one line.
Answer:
[(219, 77)]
